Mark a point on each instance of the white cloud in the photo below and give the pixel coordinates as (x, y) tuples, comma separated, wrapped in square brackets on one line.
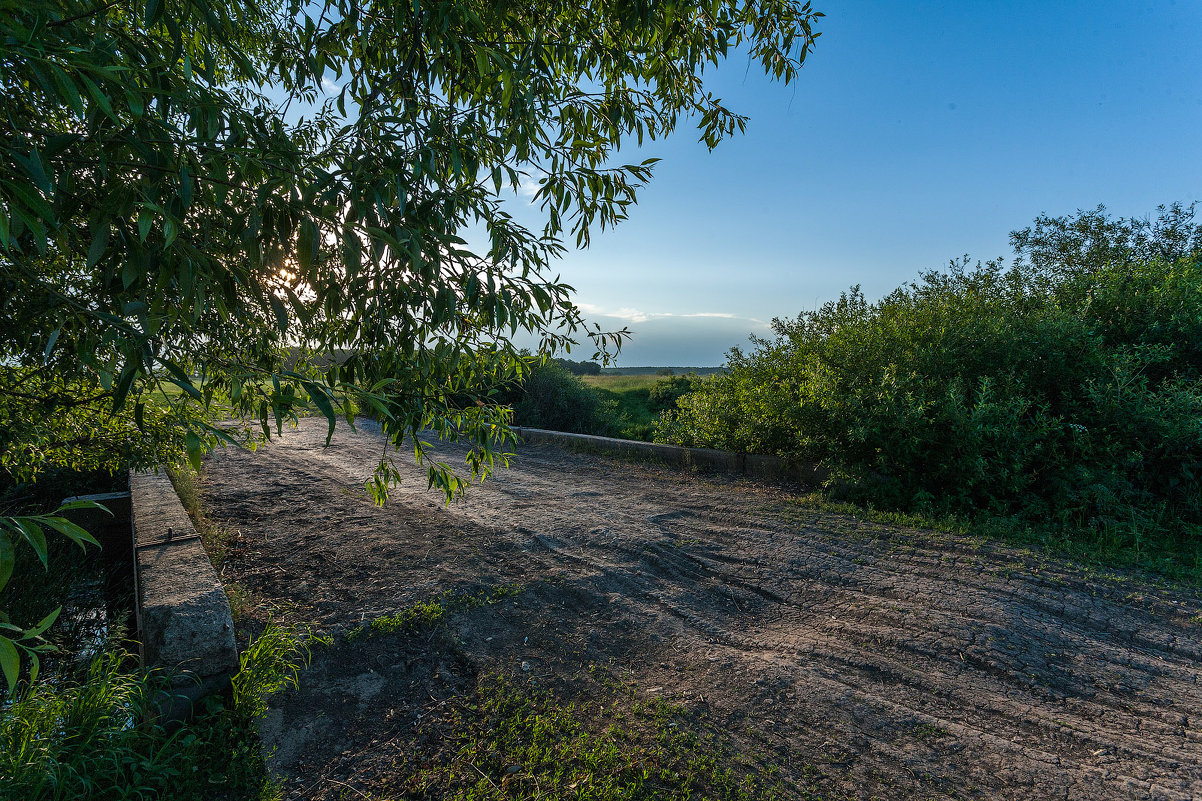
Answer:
[(638, 316)]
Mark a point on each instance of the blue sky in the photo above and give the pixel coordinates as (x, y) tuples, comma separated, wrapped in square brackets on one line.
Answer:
[(917, 132)]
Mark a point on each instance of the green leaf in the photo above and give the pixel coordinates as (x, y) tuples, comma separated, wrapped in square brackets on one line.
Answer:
[(33, 534), (32, 199), (124, 383), (306, 245), (195, 449), (98, 97), (322, 401), (298, 306), (10, 661), (33, 167), (50, 344), (100, 243), (134, 100), (8, 559), (70, 530), (129, 273), (43, 624), (185, 185), (281, 312), (83, 505), (66, 89), (182, 379), (154, 10)]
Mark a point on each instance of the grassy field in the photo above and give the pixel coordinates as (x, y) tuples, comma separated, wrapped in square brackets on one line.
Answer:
[(622, 383), (632, 393)]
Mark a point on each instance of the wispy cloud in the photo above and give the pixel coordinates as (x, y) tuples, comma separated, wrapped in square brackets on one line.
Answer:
[(639, 316)]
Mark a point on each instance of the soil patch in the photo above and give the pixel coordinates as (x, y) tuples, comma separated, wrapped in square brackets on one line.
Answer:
[(844, 658)]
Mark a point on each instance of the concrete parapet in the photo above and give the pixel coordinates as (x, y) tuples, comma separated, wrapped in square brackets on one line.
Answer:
[(183, 612), (772, 467)]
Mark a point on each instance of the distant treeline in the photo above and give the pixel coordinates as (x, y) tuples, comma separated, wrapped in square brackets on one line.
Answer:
[(579, 368), (593, 368), (701, 371)]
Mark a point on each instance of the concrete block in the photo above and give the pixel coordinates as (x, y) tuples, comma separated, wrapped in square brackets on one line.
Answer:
[(183, 613)]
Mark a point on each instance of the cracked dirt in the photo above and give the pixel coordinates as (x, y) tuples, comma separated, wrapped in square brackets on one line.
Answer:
[(896, 663)]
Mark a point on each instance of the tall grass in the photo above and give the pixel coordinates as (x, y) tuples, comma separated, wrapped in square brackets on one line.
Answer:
[(95, 736), (621, 383)]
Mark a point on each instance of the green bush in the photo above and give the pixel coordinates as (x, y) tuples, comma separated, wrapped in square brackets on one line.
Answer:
[(665, 392), (1065, 388), (550, 397)]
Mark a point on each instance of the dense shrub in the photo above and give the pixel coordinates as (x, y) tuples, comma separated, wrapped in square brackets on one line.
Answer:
[(664, 393), (551, 397), (1066, 387)]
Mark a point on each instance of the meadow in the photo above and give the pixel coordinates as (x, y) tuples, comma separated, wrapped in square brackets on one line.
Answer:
[(631, 394)]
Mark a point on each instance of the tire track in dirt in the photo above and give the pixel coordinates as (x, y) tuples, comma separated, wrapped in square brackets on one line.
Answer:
[(901, 663)]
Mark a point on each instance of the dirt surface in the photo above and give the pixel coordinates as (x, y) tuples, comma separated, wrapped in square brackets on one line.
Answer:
[(891, 663)]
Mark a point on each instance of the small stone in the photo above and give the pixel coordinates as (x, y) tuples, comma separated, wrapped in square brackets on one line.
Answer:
[(526, 666)]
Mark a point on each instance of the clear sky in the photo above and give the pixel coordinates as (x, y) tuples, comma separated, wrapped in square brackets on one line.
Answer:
[(917, 132)]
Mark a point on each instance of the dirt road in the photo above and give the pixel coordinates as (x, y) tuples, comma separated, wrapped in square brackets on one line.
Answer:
[(895, 663)]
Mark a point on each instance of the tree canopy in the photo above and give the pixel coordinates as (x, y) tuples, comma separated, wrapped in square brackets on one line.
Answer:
[(193, 190), (218, 196)]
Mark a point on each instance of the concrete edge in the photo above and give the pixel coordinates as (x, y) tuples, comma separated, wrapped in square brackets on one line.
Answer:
[(746, 464), (183, 614)]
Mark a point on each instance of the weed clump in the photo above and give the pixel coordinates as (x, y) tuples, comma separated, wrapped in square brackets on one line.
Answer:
[(514, 741), (95, 736), (431, 613)]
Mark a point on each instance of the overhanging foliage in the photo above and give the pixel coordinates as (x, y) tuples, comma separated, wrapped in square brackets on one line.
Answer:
[(213, 198)]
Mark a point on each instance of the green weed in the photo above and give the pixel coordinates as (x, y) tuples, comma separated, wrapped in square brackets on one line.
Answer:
[(241, 600), (95, 736), (428, 614), (639, 400), (217, 539), (621, 383), (510, 741), (929, 731)]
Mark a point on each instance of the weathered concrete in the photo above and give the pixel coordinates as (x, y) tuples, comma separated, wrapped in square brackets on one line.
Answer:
[(723, 461), (183, 612)]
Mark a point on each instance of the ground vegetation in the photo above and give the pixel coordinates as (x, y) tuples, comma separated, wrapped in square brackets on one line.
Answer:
[(1062, 390)]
